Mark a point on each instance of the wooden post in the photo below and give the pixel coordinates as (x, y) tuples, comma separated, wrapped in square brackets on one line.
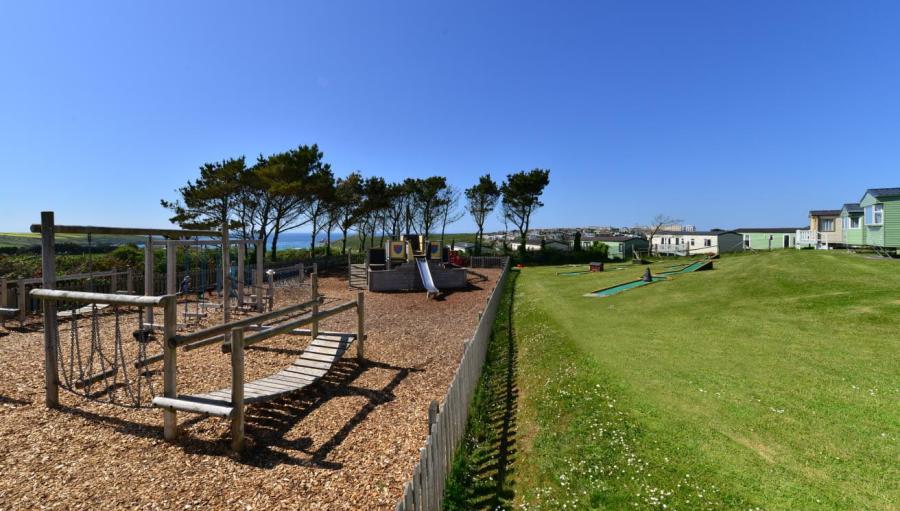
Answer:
[(114, 281), (3, 292), (270, 292), (237, 389), (23, 296), (360, 325), (226, 274), (170, 359), (171, 268), (433, 408), (301, 275), (259, 279), (148, 276), (241, 255), (129, 281), (48, 281), (314, 295)]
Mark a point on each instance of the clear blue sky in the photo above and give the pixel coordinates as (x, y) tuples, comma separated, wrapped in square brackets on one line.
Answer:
[(721, 113)]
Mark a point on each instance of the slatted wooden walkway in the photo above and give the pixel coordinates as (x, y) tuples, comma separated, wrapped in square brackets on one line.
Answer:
[(315, 362)]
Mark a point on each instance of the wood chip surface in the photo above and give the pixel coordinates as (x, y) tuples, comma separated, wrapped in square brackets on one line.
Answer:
[(349, 441)]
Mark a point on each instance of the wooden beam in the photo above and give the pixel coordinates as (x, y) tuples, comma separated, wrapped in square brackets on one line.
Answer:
[(57, 295), (127, 231), (184, 340), (290, 326)]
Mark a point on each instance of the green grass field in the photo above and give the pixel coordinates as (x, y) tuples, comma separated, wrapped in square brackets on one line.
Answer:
[(771, 382)]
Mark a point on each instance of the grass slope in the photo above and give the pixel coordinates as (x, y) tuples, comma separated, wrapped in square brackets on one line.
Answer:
[(770, 382)]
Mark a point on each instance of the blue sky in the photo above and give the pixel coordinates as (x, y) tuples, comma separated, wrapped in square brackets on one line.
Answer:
[(724, 114)]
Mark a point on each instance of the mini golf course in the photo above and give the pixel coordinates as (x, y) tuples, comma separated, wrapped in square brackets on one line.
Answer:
[(692, 267)]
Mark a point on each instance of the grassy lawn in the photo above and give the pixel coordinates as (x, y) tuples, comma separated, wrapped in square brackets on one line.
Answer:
[(771, 382)]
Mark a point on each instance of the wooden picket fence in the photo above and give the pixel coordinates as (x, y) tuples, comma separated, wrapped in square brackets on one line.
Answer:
[(425, 490)]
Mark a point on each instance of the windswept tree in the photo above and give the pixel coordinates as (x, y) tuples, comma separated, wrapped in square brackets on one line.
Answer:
[(659, 221), (254, 205), (374, 202), (428, 196), (207, 202), (348, 196), (449, 210), (397, 195), (408, 190), (287, 176), (522, 197), (319, 191), (481, 200)]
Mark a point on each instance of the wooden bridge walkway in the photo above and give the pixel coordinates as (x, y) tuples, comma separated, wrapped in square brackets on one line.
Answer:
[(315, 362)]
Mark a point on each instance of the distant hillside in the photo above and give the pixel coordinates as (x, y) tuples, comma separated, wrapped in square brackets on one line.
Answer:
[(25, 240)]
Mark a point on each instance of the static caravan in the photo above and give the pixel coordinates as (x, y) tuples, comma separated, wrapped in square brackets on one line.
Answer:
[(619, 247), (824, 229), (852, 232), (881, 218), (768, 238), (716, 241)]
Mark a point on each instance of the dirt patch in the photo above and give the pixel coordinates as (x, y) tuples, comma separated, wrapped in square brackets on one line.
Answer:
[(349, 442)]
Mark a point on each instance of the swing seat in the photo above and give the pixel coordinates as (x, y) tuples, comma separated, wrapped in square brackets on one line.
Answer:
[(87, 309)]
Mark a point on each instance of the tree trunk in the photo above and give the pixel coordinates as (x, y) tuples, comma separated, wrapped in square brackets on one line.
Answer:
[(275, 245), (312, 242), (328, 240)]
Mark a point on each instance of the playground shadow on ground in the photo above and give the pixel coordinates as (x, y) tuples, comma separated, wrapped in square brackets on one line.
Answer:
[(267, 424)]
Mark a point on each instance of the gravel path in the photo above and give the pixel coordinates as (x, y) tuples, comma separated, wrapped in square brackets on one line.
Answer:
[(350, 441)]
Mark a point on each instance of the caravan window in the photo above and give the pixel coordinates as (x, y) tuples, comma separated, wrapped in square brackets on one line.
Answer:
[(875, 214)]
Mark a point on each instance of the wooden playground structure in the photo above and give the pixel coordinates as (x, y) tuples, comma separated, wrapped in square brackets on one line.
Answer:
[(411, 263), (116, 368)]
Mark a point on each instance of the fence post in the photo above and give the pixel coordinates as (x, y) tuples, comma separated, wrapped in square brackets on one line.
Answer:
[(270, 292), (129, 281), (170, 359), (360, 325), (314, 295), (241, 255), (301, 275), (23, 299), (114, 281), (48, 281), (259, 279), (237, 389), (226, 275), (432, 413), (149, 289), (3, 292), (171, 268)]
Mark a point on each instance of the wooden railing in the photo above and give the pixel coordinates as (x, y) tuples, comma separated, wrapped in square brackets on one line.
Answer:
[(447, 421), (112, 281), (234, 340)]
